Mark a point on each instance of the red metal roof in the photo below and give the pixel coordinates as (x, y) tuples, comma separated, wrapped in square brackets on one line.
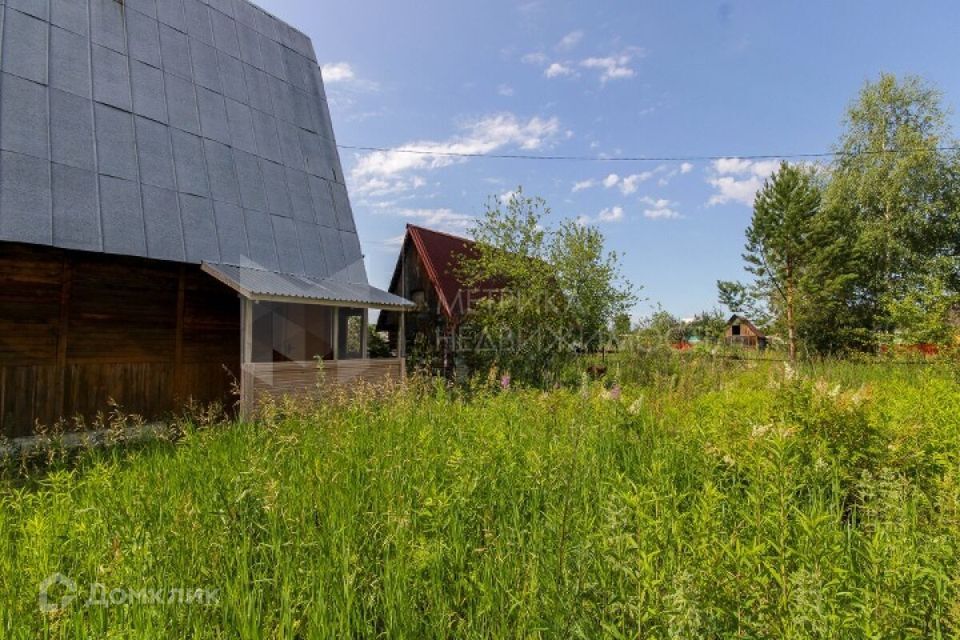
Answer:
[(440, 254)]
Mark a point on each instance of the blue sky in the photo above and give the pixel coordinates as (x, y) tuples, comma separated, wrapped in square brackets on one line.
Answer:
[(668, 79)]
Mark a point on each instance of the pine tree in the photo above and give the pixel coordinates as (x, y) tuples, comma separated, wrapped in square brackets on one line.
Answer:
[(780, 240)]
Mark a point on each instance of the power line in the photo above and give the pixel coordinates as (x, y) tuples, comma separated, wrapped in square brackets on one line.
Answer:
[(704, 158)]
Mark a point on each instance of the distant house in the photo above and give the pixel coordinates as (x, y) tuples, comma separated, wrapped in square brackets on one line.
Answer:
[(427, 273), (743, 333), (173, 214)]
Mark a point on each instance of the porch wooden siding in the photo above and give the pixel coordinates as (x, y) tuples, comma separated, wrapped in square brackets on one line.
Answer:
[(277, 379), (79, 329), (748, 341)]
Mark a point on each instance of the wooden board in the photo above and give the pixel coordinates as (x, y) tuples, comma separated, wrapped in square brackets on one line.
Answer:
[(279, 379)]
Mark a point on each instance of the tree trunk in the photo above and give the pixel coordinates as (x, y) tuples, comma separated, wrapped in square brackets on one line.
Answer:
[(791, 318)]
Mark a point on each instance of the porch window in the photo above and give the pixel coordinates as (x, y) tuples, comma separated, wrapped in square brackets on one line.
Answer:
[(350, 334), (292, 332)]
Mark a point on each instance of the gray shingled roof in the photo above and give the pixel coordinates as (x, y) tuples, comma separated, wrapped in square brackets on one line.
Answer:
[(185, 130)]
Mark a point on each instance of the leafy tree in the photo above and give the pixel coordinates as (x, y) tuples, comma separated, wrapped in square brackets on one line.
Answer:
[(882, 256), (560, 290), (377, 344), (661, 328), (709, 326), (622, 330), (622, 324), (593, 290), (831, 319), (895, 190), (925, 313), (516, 327)]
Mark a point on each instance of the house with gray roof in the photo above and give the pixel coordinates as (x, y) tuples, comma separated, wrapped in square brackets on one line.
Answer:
[(173, 212)]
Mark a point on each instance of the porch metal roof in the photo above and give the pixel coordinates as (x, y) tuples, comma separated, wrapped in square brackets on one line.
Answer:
[(264, 285)]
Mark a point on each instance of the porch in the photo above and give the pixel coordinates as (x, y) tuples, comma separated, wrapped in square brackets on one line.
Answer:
[(301, 336)]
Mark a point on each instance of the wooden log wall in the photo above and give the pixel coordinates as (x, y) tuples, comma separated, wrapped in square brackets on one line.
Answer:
[(79, 329)]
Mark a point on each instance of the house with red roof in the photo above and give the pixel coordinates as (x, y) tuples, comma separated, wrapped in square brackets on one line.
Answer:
[(428, 274)]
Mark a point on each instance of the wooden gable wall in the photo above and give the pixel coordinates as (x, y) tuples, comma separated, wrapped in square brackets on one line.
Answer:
[(745, 330)]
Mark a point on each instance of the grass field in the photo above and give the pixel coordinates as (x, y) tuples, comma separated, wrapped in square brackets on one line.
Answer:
[(718, 499)]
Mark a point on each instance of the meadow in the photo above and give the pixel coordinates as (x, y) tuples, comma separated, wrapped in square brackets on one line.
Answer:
[(700, 498)]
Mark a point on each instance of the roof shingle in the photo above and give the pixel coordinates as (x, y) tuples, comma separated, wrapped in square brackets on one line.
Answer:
[(197, 121)]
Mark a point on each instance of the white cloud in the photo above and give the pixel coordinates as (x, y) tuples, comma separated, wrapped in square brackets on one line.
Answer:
[(442, 219), (654, 202), (378, 187), (731, 165), (607, 215), (505, 90), (659, 209), (612, 68), (729, 189), (766, 168), (337, 72), (629, 184), (558, 70), (533, 6), (438, 216), (626, 184), (344, 88), (394, 243), (612, 214), (570, 40), (615, 67), (662, 213), (383, 171), (738, 180), (742, 166), (669, 172), (355, 116), (538, 58)]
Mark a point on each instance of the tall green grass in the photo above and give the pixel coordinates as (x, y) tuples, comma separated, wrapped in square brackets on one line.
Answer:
[(725, 500)]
